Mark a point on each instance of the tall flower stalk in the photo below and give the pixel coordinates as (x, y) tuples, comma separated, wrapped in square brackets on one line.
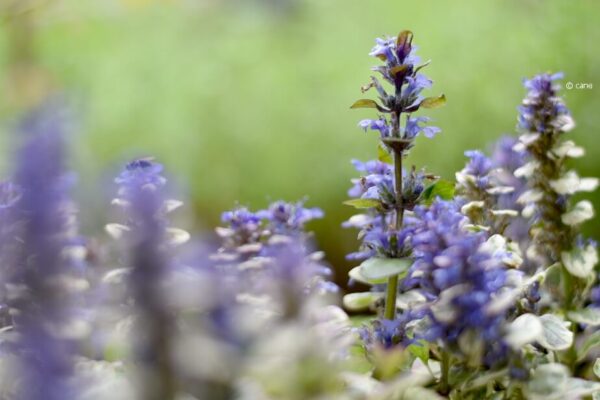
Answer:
[(398, 128), (39, 280), (544, 119), (146, 230)]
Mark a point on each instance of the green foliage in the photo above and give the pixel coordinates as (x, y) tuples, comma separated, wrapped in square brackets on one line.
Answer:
[(383, 155), (589, 343), (442, 188), (420, 350)]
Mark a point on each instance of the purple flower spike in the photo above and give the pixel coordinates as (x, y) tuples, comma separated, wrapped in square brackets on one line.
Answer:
[(41, 305)]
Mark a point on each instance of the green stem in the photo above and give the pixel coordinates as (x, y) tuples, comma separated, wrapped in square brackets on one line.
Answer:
[(392, 286), (398, 188), (567, 287), (568, 282), (390, 299), (445, 370)]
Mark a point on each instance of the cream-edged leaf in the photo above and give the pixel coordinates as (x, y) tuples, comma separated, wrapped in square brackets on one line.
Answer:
[(556, 334), (527, 170), (524, 330), (356, 275), (172, 205), (567, 184), (568, 149), (377, 268), (589, 316), (361, 301), (176, 236), (472, 205), (580, 262), (583, 211), (530, 196), (116, 231), (500, 190)]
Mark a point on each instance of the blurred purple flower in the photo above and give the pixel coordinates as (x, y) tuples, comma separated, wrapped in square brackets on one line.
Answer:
[(147, 243), (289, 218), (41, 305)]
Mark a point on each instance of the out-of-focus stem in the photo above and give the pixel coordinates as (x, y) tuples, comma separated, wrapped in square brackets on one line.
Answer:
[(445, 372)]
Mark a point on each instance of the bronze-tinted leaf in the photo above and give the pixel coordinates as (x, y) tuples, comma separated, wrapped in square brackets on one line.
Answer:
[(404, 37), (433, 102), (365, 103), (399, 69)]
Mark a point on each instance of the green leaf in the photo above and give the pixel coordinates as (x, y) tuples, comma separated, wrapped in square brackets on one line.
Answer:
[(359, 320), (378, 268), (365, 103), (360, 301), (552, 279), (420, 350), (383, 155), (589, 343), (363, 203), (409, 299), (589, 316), (416, 392), (442, 188), (358, 362), (547, 380), (556, 335), (597, 367), (433, 102), (356, 274), (579, 261)]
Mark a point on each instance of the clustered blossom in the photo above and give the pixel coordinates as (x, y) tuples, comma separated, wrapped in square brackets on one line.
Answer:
[(389, 334), (378, 179), (543, 110), (401, 70), (453, 268), (247, 233), (482, 184), (253, 242), (288, 218), (509, 162), (378, 235)]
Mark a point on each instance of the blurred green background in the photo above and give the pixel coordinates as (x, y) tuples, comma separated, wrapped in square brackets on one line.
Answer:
[(248, 101)]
